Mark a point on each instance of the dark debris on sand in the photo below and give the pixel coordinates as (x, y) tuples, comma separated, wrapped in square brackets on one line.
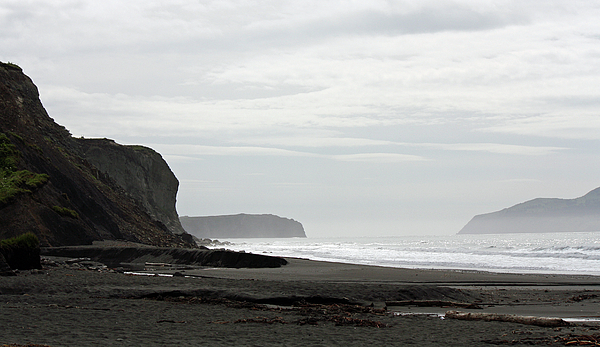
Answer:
[(554, 340), (313, 313)]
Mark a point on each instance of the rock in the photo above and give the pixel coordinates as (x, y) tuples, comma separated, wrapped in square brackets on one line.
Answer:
[(23, 258), (491, 317), (116, 256), (541, 215), (242, 226), (22, 253), (5, 270)]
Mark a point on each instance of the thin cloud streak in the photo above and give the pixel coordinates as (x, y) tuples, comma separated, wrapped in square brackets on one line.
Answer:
[(313, 142), (195, 151)]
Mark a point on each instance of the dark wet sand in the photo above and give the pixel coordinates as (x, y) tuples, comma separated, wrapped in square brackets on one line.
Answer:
[(64, 306)]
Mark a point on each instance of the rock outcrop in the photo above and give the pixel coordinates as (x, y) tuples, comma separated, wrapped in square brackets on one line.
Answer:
[(5, 270), (118, 256), (242, 226), (50, 188), (542, 215)]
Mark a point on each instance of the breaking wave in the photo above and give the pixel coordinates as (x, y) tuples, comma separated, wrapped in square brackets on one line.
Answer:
[(559, 253)]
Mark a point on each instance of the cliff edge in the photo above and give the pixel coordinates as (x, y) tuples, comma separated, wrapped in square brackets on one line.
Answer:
[(542, 215), (242, 226), (49, 184)]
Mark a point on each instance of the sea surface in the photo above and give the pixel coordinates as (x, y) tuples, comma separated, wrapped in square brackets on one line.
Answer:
[(553, 253)]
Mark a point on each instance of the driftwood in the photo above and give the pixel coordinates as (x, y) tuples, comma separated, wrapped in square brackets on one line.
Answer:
[(488, 317), (432, 303)]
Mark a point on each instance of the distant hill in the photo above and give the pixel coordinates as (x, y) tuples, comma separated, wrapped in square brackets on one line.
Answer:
[(542, 215), (242, 226), (72, 191)]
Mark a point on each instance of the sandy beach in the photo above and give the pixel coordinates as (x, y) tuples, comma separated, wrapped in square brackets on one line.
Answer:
[(304, 303)]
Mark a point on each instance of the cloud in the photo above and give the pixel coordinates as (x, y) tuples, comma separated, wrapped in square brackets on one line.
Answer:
[(195, 151), (378, 157), (496, 148), (200, 150), (315, 142), (569, 126), (427, 19), (325, 142)]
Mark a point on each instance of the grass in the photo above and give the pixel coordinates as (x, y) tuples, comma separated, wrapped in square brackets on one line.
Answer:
[(9, 155), (66, 212), (13, 182), (27, 240), (19, 182)]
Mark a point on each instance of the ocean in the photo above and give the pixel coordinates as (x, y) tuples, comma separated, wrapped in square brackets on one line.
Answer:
[(552, 253)]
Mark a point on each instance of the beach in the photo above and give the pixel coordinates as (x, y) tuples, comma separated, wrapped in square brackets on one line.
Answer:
[(304, 303)]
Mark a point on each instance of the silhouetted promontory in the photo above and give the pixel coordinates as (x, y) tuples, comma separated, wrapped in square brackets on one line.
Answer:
[(242, 226), (542, 215)]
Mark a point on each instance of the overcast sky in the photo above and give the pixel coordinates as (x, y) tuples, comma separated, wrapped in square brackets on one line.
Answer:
[(352, 117)]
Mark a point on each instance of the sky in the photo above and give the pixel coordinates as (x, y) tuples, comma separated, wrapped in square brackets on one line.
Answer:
[(355, 118)]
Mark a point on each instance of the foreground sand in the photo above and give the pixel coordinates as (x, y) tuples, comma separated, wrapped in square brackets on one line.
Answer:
[(66, 306)]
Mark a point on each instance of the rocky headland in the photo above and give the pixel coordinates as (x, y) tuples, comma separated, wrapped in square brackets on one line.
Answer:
[(542, 215), (63, 190), (242, 226)]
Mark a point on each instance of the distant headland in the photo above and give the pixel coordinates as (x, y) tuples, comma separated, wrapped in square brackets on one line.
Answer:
[(242, 226), (542, 215)]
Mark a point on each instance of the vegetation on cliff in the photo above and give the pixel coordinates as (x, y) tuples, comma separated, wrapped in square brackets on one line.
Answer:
[(13, 182)]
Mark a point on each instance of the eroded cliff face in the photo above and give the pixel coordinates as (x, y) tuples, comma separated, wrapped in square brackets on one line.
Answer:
[(143, 174), (242, 226), (49, 188)]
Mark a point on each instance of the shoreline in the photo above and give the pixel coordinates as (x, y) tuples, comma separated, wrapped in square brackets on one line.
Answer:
[(556, 253), (304, 303), (316, 270)]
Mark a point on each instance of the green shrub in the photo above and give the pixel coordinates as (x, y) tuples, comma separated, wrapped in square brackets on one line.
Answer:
[(9, 155), (27, 240), (14, 182), (67, 212)]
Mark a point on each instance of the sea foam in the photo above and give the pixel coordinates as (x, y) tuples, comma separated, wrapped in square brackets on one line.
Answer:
[(556, 253)]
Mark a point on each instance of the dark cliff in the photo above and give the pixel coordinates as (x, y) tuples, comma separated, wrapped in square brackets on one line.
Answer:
[(541, 215), (48, 187), (242, 226), (143, 174)]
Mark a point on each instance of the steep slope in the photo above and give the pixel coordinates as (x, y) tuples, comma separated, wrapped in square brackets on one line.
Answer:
[(49, 188), (541, 215), (242, 226)]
